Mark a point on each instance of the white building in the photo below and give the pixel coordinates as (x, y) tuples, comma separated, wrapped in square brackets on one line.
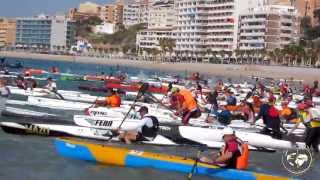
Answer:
[(268, 27), (105, 28), (204, 25), (131, 14), (162, 14), (149, 38)]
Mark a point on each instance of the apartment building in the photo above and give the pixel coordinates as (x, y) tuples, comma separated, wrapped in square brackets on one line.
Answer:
[(307, 8), (161, 24), (111, 13), (7, 32), (44, 32), (208, 24), (149, 38), (162, 15), (131, 14), (268, 27)]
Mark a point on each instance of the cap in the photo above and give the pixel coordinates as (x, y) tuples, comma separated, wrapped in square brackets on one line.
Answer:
[(143, 108), (292, 105), (227, 131), (49, 78), (174, 89)]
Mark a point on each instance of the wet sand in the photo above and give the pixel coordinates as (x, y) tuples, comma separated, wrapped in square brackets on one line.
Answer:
[(277, 72)]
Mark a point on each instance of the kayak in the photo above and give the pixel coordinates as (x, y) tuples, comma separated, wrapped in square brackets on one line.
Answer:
[(57, 104), (111, 155), (201, 134), (102, 78), (54, 130)]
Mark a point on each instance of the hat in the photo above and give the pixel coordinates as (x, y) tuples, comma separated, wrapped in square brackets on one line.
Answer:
[(292, 105), (174, 89), (227, 131), (143, 108), (49, 78)]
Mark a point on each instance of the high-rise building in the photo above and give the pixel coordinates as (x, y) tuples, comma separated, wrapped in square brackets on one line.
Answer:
[(149, 38), (7, 32), (107, 13), (307, 8), (45, 32), (110, 13), (162, 15), (131, 14), (208, 24), (268, 27)]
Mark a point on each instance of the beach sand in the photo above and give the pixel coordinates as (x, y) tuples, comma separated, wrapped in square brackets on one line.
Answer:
[(226, 70)]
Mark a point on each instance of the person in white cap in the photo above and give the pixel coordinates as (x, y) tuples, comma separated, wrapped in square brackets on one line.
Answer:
[(227, 157)]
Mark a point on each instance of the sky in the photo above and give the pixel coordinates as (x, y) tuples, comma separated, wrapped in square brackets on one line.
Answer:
[(20, 8)]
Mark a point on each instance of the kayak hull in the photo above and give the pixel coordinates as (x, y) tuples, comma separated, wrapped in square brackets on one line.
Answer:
[(139, 159)]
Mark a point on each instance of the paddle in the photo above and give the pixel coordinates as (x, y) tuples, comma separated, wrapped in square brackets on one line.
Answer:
[(201, 149), (58, 94), (142, 90)]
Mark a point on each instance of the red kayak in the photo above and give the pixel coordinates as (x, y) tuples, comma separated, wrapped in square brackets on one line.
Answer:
[(32, 72), (136, 87)]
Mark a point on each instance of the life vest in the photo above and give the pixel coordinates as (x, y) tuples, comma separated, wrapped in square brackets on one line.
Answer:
[(114, 101), (151, 131), (243, 159), (189, 101), (232, 107), (273, 112)]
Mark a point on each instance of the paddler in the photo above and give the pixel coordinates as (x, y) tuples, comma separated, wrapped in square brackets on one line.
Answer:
[(4, 90), (311, 119), (146, 129), (229, 152), (113, 100), (52, 87), (231, 100), (189, 108), (5, 93), (21, 83), (288, 112), (271, 118)]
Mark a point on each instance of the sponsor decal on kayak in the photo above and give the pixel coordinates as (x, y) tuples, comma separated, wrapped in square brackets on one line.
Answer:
[(33, 129), (102, 123), (98, 113)]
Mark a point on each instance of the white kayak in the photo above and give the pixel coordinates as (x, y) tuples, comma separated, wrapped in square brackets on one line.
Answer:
[(203, 135), (67, 95), (20, 111), (169, 136)]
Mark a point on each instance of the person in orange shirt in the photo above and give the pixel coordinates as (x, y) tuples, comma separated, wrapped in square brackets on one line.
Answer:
[(114, 100), (189, 108), (288, 113)]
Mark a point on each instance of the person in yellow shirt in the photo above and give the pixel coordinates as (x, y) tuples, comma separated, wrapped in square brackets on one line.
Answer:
[(311, 120), (189, 108), (114, 100)]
